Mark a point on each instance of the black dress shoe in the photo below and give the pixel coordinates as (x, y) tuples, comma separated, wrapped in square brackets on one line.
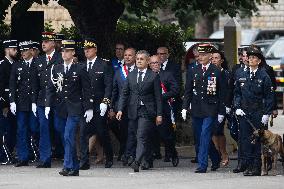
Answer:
[(73, 173), (130, 160), (135, 166), (85, 166), (108, 164), (240, 168), (44, 165), (21, 163), (175, 161), (248, 171), (200, 170), (157, 156), (124, 161), (64, 172), (215, 167)]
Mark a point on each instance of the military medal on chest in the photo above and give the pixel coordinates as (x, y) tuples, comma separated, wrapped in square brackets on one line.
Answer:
[(211, 84), (19, 77)]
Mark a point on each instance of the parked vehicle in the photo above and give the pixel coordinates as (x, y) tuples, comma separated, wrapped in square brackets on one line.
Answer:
[(248, 36)]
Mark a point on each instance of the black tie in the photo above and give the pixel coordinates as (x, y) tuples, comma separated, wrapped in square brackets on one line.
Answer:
[(89, 67), (140, 77), (252, 75)]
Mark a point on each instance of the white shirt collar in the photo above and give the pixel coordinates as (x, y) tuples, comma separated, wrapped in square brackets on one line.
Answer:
[(254, 71), (51, 55), (121, 61), (131, 68), (206, 66), (164, 65), (144, 71), (29, 61), (93, 60)]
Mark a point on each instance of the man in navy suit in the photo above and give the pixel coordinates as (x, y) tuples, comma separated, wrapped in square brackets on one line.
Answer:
[(143, 97), (120, 127), (41, 77)]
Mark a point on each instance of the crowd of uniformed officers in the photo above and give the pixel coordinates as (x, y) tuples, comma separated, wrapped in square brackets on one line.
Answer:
[(54, 106)]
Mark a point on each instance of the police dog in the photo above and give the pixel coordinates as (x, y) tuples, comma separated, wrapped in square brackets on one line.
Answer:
[(270, 143)]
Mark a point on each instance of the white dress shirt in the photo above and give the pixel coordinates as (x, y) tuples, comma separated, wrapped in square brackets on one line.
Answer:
[(93, 61)]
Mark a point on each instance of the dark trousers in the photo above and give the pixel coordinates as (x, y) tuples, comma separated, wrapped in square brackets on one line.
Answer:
[(8, 129), (120, 130), (144, 129), (250, 154), (70, 125), (203, 131), (44, 140), (99, 127), (164, 133), (26, 122)]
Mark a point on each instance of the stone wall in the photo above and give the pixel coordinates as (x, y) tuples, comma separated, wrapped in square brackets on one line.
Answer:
[(53, 13), (267, 18)]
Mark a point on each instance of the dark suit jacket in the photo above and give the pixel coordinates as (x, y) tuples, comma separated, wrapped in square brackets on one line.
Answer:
[(75, 96), (203, 104), (101, 76), (148, 91), (42, 78), (5, 70), (175, 69), (20, 85), (172, 90)]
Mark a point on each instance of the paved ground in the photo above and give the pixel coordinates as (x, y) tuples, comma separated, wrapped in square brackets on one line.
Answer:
[(162, 176)]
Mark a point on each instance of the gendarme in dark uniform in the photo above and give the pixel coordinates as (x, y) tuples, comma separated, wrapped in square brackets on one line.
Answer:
[(71, 84), (41, 79), (204, 90), (253, 101), (8, 122), (101, 75), (20, 99)]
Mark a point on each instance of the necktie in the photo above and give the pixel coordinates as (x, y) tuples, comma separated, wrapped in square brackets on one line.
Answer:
[(49, 58), (252, 75), (140, 77), (204, 69), (66, 69), (89, 66)]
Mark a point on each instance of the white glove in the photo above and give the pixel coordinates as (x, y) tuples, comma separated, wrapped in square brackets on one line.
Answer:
[(240, 112), (89, 115), (228, 110), (34, 108), (103, 108), (220, 118), (265, 119), (183, 114), (13, 108), (46, 112)]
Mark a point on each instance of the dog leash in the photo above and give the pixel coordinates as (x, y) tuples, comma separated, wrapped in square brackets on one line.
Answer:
[(250, 123)]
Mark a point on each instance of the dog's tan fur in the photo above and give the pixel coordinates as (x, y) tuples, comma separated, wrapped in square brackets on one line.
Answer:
[(273, 142)]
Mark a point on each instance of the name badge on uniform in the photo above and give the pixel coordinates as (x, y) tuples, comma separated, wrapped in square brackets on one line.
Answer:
[(242, 81), (99, 72)]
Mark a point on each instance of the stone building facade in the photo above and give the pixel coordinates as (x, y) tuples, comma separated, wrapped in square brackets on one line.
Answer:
[(53, 13)]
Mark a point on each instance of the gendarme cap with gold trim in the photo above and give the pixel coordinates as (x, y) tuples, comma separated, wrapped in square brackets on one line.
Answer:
[(68, 44), (254, 52), (89, 43), (48, 36), (205, 48)]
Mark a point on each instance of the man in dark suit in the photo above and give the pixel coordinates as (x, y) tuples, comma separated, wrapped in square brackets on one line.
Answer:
[(21, 103), (120, 128), (166, 131), (143, 98), (71, 84), (101, 76), (41, 78), (205, 91), (8, 122), (175, 69), (118, 61)]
